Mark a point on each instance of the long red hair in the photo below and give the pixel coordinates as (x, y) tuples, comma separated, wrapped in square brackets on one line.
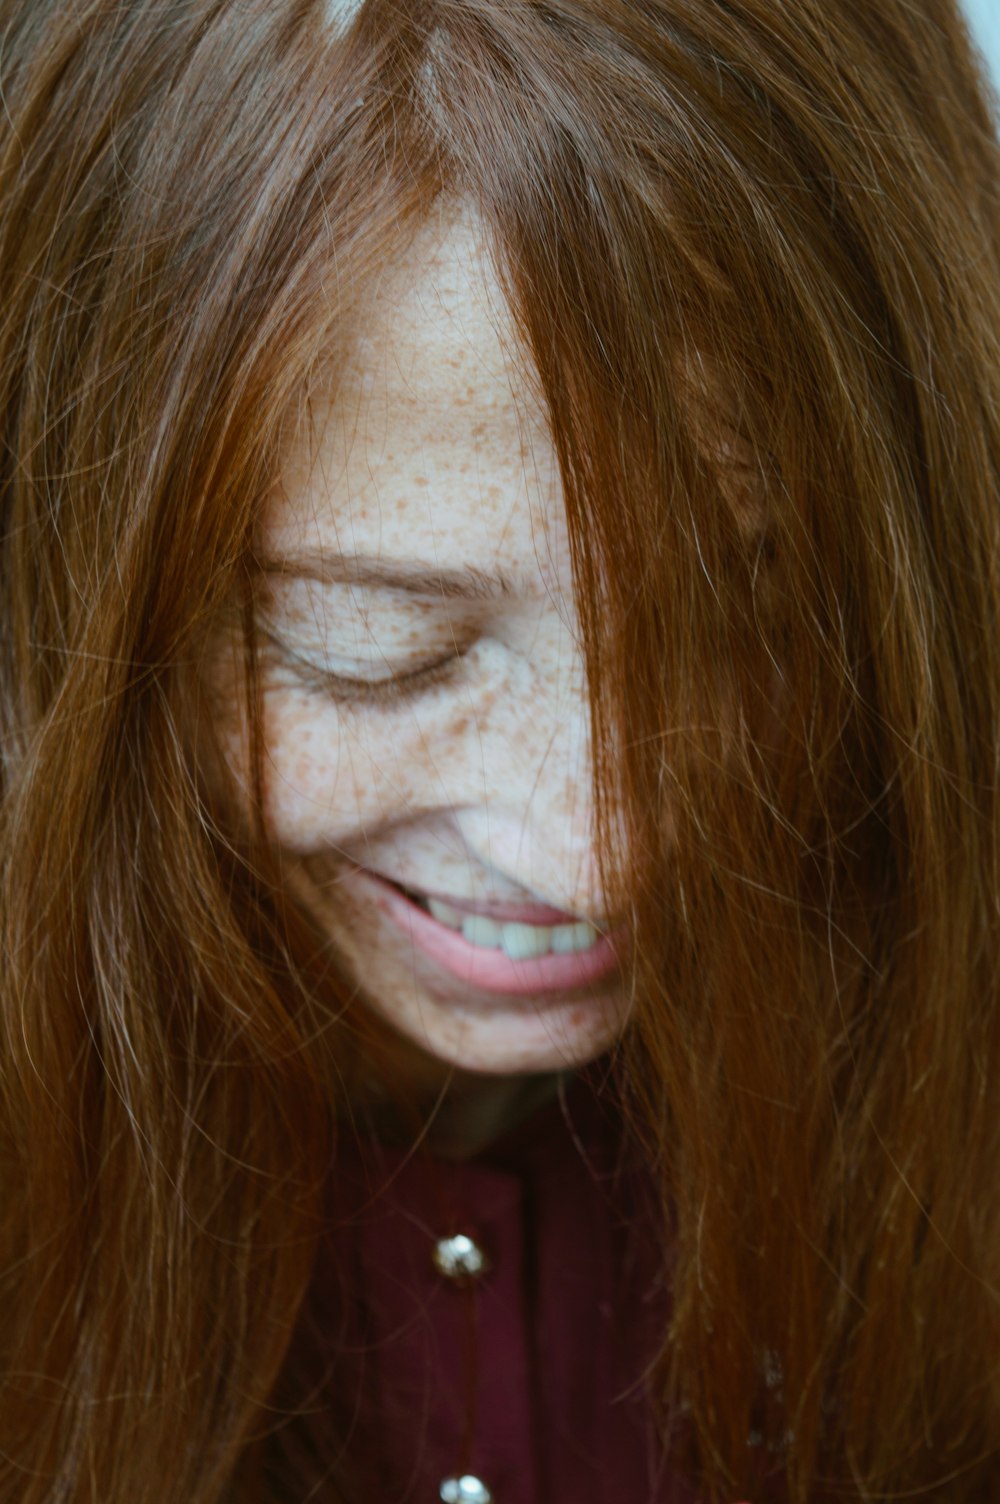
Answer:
[(752, 252)]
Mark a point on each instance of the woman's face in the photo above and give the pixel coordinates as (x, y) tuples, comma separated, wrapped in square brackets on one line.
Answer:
[(472, 783)]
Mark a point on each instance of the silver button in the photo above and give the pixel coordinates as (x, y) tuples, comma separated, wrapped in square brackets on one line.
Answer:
[(465, 1490), (459, 1258)]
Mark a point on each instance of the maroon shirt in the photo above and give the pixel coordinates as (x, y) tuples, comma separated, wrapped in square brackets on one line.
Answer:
[(529, 1376)]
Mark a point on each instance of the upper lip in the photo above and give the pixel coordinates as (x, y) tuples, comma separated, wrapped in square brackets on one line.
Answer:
[(524, 913)]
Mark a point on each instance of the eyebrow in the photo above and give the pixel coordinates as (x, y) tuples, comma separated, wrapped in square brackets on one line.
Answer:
[(415, 576)]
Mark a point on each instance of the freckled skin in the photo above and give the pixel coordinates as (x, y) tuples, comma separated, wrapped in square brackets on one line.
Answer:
[(432, 448)]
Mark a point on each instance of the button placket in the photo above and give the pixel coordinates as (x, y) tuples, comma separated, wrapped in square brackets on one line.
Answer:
[(462, 1261), (446, 1283)]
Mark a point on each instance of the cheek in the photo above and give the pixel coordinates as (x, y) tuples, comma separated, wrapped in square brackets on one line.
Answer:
[(327, 775)]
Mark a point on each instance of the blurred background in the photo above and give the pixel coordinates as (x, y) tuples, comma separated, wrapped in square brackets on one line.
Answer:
[(985, 18)]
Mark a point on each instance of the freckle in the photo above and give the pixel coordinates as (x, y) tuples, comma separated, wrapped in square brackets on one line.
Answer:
[(421, 480), (461, 726)]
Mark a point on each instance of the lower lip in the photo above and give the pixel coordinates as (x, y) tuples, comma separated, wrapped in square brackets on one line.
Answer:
[(491, 970)]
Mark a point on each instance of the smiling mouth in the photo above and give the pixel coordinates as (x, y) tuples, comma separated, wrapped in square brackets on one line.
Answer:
[(512, 956), (516, 936)]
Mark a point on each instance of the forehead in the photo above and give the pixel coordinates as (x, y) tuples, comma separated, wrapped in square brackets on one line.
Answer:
[(428, 440)]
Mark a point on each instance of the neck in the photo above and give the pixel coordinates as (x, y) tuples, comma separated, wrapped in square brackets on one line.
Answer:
[(464, 1116)]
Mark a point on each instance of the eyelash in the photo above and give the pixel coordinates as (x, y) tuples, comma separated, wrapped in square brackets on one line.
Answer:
[(382, 692)]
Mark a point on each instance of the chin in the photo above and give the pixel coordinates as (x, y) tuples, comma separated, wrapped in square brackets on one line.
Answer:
[(503, 1039)]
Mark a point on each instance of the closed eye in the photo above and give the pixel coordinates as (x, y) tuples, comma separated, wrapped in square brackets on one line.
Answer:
[(388, 692)]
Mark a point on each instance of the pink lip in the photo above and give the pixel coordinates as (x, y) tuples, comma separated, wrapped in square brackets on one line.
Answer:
[(491, 970)]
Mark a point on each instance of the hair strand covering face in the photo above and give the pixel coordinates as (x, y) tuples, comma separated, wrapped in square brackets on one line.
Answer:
[(752, 252)]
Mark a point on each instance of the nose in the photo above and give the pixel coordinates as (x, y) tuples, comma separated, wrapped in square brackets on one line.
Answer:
[(531, 826)]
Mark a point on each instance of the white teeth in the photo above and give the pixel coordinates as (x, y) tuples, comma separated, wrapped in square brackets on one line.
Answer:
[(521, 942), (518, 941), (479, 930), (445, 913), (569, 937)]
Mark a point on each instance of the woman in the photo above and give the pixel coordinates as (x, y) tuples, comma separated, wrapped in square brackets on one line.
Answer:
[(533, 455)]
